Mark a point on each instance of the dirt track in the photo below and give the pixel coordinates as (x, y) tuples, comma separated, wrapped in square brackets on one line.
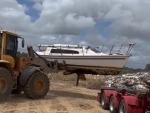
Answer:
[(63, 97)]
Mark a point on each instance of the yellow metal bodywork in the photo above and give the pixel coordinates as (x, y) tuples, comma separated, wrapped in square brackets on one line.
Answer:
[(15, 64), (21, 63), (3, 43), (11, 33), (8, 58)]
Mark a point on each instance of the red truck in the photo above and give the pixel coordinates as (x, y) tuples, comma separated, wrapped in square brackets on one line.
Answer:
[(120, 100)]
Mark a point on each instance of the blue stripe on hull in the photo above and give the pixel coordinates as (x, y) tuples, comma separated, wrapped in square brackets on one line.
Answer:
[(89, 58)]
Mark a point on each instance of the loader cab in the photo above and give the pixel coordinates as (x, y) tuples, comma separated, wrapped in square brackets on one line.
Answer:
[(0, 43), (9, 46)]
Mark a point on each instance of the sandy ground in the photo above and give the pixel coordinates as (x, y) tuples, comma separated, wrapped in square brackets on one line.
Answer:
[(63, 97)]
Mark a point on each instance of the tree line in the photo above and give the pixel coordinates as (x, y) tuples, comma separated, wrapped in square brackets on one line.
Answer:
[(132, 70), (22, 54)]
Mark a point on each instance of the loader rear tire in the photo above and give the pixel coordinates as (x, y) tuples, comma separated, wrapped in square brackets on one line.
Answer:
[(6, 84), (37, 86)]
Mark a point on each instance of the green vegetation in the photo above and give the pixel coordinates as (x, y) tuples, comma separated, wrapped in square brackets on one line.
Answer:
[(131, 70), (22, 54), (147, 68)]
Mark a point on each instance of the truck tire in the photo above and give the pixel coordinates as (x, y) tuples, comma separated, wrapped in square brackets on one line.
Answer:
[(122, 106), (6, 84), (112, 108), (103, 102), (37, 85)]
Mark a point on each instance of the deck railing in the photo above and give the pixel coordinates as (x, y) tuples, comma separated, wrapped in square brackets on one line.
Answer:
[(127, 52), (115, 49)]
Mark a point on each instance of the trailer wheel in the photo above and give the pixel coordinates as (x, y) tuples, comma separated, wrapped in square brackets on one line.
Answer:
[(112, 108), (37, 86), (122, 106), (103, 102)]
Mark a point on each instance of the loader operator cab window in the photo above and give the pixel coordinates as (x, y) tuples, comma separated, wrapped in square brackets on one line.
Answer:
[(11, 46), (0, 43)]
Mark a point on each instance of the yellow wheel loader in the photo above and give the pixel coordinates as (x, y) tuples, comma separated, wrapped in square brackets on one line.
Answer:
[(19, 74)]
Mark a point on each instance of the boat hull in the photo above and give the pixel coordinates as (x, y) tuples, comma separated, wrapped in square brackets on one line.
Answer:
[(94, 61), (102, 65)]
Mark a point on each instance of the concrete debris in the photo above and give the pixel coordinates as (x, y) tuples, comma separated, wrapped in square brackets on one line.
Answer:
[(133, 81)]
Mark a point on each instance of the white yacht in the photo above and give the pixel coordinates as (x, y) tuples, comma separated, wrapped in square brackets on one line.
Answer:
[(85, 58)]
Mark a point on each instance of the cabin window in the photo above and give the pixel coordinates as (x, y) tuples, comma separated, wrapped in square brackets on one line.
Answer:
[(95, 50), (42, 48), (11, 46), (63, 51)]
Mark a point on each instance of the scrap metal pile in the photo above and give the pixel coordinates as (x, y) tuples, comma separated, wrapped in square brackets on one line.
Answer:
[(129, 81)]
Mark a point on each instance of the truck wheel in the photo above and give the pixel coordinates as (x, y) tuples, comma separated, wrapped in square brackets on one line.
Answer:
[(6, 83), (122, 106), (112, 108), (103, 102), (37, 86)]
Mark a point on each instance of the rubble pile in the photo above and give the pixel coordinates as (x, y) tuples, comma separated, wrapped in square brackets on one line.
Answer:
[(133, 81), (94, 84)]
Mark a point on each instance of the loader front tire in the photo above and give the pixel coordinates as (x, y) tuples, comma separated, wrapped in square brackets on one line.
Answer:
[(37, 85), (6, 84)]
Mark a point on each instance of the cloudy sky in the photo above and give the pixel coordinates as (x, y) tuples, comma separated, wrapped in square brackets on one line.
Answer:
[(86, 22)]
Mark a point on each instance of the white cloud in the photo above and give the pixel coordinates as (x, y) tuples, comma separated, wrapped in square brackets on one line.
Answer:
[(37, 1), (61, 21), (13, 16), (131, 18), (78, 22), (37, 6), (58, 17)]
